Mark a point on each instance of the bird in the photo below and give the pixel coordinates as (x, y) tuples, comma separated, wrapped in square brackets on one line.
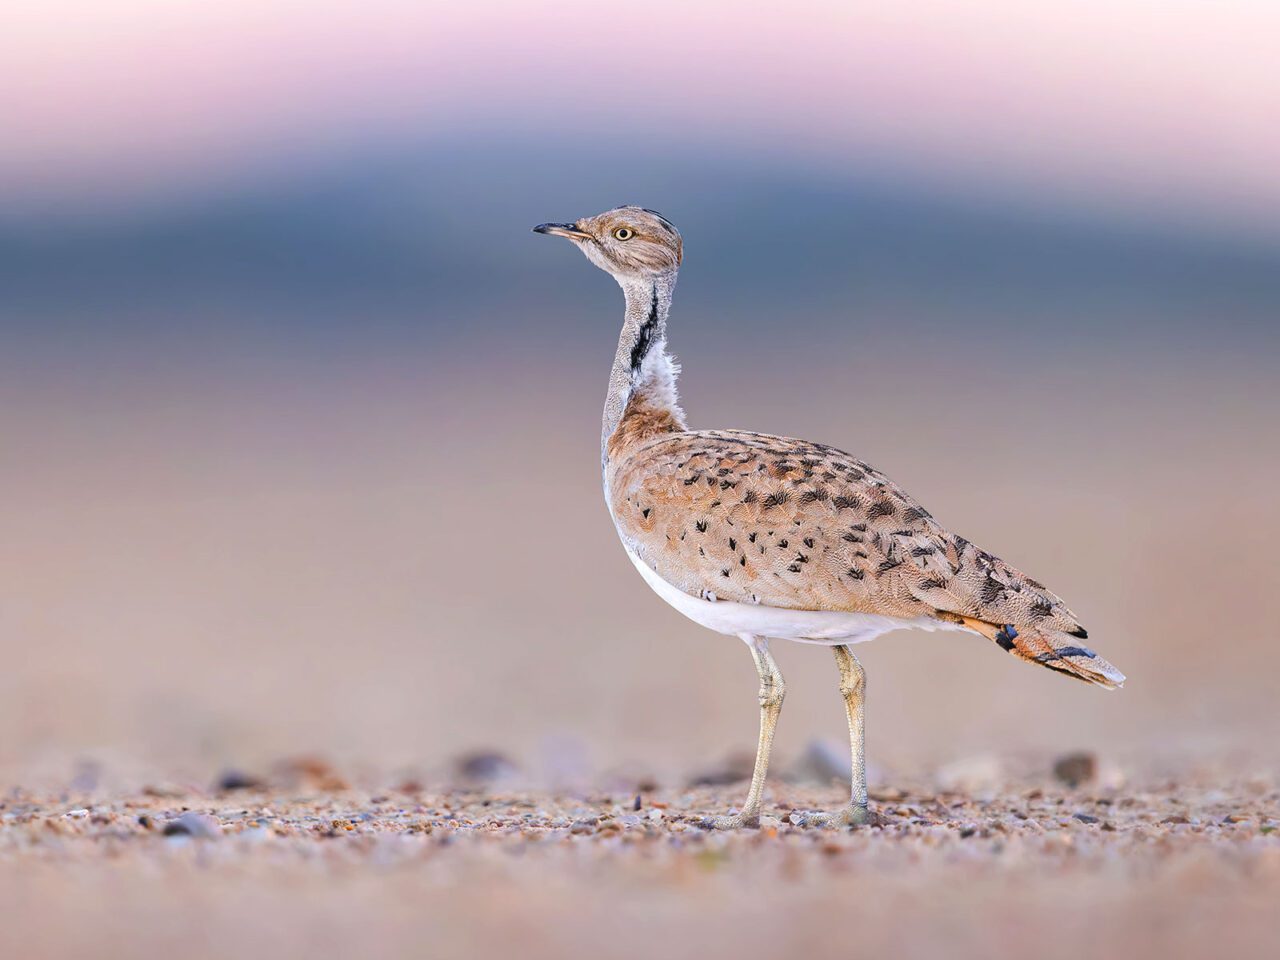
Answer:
[(772, 538)]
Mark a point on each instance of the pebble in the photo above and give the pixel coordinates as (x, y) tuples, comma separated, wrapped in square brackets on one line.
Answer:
[(1073, 769), (202, 826), (485, 766), (230, 780)]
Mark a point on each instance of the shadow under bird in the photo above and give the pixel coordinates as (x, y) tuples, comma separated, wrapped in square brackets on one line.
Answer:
[(765, 537)]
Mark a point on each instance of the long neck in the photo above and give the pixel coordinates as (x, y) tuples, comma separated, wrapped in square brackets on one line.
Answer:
[(643, 373)]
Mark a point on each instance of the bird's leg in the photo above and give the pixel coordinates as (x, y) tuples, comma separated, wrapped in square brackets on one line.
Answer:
[(772, 692), (853, 686)]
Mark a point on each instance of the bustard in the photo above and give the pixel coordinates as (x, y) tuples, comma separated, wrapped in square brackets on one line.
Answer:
[(765, 537)]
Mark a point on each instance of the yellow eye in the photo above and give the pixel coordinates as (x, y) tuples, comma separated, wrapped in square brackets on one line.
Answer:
[(623, 233)]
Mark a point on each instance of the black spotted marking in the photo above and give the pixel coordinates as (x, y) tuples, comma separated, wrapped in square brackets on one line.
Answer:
[(859, 528), (802, 558), (856, 574), (882, 508), (701, 526), (794, 568), (808, 542), (1005, 636), (742, 560), (751, 537), (1076, 652), (724, 572), (645, 512), (733, 544), (749, 497), (851, 538), (1041, 608), (783, 544)]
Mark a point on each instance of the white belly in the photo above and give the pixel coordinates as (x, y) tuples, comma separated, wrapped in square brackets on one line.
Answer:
[(809, 626)]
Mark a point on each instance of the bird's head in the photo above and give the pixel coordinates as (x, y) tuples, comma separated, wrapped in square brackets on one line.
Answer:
[(627, 242)]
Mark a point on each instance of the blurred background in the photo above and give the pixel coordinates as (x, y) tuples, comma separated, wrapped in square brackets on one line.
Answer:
[(295, 413)]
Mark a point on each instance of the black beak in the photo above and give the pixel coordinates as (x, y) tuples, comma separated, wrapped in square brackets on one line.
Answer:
[(569, 230)]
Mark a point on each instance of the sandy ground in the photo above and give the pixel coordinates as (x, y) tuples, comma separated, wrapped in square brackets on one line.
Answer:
[(304, 864)]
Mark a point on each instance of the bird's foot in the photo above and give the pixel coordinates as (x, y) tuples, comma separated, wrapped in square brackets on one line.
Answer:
[(733, 821), (851, 816)]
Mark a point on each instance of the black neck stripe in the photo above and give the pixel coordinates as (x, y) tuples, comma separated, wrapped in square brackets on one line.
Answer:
[(644, 338)]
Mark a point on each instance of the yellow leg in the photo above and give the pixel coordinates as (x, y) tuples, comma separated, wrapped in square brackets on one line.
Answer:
[(853, 687), (772, 692)]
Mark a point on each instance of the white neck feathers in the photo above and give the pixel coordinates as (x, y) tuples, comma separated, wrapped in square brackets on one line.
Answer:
[(642, 367)]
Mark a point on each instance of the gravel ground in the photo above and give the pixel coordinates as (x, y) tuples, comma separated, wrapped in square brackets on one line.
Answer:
[(308, 865)]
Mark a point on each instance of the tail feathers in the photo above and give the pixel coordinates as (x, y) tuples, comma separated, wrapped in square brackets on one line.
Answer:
[(1066, 654), (1050, 648)]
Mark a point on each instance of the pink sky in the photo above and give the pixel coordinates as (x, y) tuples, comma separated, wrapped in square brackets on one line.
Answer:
[(1147, 102)]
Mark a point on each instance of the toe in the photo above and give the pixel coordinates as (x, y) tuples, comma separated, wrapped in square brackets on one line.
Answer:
[(735, 821), (848, 817)]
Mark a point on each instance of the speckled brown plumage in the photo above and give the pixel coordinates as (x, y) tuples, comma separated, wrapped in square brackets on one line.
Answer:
[(789, 523)]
